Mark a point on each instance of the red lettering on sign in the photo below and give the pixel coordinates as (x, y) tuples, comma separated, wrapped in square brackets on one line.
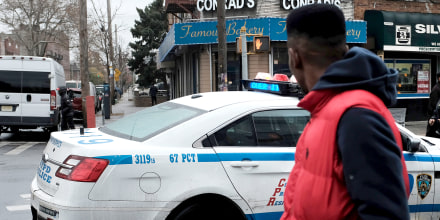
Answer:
[(271, 201), (277, 190)]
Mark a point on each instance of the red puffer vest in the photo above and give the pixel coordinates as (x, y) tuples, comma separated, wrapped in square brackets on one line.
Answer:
[(322, 193)]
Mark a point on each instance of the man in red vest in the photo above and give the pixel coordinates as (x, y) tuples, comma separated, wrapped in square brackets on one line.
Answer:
[(348, 160)]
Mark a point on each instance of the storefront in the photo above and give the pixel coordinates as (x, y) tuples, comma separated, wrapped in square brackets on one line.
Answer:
[(195, 45), (409, 43)]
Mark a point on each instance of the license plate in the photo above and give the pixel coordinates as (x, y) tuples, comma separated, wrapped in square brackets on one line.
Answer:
[(6, 108)]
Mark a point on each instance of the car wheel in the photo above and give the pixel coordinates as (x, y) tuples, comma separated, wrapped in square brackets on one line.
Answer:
[(14, 130), (201, 211), (57, 127)]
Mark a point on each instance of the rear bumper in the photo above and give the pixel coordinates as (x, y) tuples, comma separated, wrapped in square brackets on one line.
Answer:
[(45, 206), (28, 121), (77, 114)]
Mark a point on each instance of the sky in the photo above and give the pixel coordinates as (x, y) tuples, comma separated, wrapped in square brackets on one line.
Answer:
[(125, 17)]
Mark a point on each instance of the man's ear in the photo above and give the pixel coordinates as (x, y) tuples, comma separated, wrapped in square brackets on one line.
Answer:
[(295, 58)]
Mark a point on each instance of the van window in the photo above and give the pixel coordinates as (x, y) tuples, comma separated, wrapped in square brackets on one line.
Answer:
[(24, 82), (36, 82), (10, 81)]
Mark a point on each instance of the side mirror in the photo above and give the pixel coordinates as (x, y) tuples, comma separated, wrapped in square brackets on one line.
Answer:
[(411, 144)]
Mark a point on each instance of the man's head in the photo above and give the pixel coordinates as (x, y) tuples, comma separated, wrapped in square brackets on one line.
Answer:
[(316, 38), (438, 76), (62, 90)]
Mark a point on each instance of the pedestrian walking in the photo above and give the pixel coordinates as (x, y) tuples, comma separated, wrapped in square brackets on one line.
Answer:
[(433, 127), (66, 110), (153, 93), (348, 160)]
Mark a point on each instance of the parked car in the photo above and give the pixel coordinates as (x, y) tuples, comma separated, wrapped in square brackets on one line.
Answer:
[(28, 93), (218, 155), (75, 95), (73, 84), (100, 95)]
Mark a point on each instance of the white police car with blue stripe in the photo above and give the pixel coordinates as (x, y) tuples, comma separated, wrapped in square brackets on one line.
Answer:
[(219, 155)]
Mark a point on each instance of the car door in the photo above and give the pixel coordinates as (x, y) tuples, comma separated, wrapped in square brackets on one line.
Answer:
[(420, 166), (258, 151)]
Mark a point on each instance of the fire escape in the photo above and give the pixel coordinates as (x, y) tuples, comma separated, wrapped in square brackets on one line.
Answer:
[(175, 7)]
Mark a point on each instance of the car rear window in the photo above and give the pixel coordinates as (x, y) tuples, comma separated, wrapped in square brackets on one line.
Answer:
[(153, 120), (24, 81)]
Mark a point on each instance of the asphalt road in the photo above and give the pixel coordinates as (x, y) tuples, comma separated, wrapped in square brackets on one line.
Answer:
[(20, 155)]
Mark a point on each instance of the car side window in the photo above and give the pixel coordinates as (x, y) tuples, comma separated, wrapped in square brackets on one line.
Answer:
[(238, 133), (277, 128)]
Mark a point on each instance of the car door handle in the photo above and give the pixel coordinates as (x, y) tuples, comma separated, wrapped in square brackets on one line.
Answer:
[(244, 164)]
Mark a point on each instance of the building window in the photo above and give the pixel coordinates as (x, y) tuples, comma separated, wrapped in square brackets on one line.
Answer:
[(414, 75), (281, 61)]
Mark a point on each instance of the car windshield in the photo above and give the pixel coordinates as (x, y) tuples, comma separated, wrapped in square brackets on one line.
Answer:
[(146, 123)]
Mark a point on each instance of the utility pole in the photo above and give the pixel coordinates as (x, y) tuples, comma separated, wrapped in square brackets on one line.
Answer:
[(112, 56), (117, 55), (84, 57), (222, 46)]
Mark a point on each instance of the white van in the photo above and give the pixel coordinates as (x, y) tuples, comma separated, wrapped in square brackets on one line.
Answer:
[(28, 93)]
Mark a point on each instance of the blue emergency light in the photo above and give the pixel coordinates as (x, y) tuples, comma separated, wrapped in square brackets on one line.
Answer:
[(264, 86), (275, 87)]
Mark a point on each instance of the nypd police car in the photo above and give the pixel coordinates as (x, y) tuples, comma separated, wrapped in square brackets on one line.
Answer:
[(219, 155)]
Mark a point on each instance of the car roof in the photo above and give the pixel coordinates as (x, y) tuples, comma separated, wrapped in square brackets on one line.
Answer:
[(74, 89), (213, 100)]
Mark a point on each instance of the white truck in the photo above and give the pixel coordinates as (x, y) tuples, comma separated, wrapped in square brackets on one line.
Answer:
[(28, 93)]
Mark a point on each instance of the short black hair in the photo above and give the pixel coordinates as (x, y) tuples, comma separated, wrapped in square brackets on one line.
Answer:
[(438, 74), (317, 20), (319, 29)]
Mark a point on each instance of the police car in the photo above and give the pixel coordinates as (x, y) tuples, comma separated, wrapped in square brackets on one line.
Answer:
[(219, 155)]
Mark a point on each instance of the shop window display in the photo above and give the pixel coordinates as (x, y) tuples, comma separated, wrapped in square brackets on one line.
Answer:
[(413, 75)]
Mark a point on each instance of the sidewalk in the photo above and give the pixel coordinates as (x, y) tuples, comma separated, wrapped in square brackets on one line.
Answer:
[(417, 127), (122, 108)]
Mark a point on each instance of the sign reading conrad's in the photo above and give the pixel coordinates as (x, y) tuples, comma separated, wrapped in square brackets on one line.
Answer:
[(211, 5)]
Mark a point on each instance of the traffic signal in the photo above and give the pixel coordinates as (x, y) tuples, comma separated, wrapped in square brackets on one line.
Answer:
[(238, 44), (261, 44)]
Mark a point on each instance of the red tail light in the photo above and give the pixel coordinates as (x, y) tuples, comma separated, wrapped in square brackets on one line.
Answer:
[(53, 100), (82, 169)]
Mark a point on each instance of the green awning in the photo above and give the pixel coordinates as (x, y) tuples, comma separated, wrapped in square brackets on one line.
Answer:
[(401, 31)]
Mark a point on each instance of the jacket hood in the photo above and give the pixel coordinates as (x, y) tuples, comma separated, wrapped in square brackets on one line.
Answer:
[(361, 69)]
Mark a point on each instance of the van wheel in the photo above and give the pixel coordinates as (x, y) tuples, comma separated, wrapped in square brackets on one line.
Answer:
[(55, 128)]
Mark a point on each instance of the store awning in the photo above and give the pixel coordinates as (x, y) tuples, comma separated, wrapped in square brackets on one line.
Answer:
[(193, 33), (401, 31)]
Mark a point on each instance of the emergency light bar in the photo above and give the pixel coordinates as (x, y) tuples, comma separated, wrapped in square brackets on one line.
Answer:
[(275, 87)]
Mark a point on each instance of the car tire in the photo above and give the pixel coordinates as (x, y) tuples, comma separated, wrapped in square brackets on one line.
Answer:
[(14, 130), (57, 127), (203, 211)]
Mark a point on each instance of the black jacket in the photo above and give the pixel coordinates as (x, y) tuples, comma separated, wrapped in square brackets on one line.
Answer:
[(433, 99), (66, 105)]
